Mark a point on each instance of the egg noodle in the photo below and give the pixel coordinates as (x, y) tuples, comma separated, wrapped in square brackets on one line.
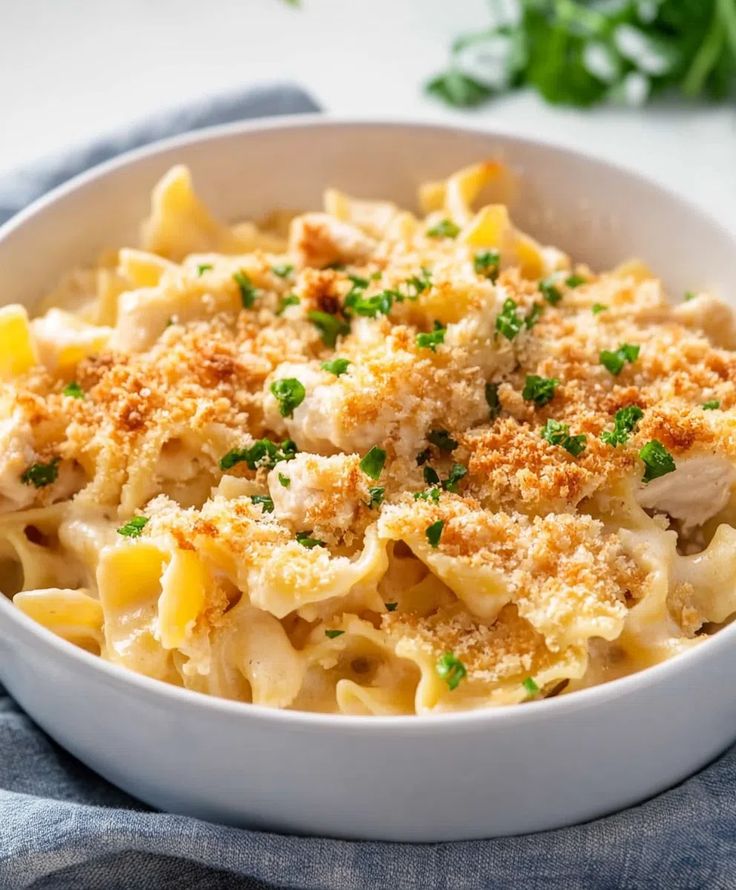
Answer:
[(365, 462)]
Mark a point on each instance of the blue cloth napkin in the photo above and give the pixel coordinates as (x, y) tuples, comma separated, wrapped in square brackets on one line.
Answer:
[(62, 826)]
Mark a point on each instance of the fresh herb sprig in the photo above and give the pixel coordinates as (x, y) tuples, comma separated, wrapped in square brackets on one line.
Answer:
[(582, 54)]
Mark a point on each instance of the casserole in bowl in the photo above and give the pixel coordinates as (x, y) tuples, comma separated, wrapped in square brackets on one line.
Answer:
[(410, 764)]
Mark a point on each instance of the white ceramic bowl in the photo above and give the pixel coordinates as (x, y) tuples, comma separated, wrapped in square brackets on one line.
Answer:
[(466, 775)]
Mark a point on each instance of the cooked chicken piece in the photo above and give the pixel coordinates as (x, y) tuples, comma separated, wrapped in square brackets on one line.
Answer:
[(317, 239), (698, 489)]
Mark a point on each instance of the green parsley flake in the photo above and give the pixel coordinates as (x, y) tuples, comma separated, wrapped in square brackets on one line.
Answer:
[(264, 500), (487, 262), (418, 284), (371, 307), (430, 494), (376, 497), (337, 366), (597, 308), (372, 463), (333, 634), (446, 228), (457, 472), (391, 606), (549, 290), (262, 453), (539, 390), (204, 267), (74, 390), (329, 326), (530, 685), (657, 461), (535, 313), (248, 293), (284, 480), (624, 424), (133, 528), (289, 393), (557, 433), (305, 539), (508, 321), (574, 281), (494, 404), (451, 670), (40, 475), (712, 405), (434, 532), (615, 361), (442, 439), (286, 301), (433, 339), (431, 477), (689, 295), (283, 271)]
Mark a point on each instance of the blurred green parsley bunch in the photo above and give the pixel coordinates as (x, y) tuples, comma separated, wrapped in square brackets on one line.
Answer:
[(577, 53)]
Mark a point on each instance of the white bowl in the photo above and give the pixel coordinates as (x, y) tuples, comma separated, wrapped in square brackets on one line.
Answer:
[(518, 769)]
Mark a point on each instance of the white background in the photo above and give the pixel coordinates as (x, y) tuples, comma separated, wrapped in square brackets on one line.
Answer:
[(72, 69)]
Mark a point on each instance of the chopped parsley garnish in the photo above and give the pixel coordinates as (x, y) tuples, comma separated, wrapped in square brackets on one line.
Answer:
[(376, 497), (434, 532), (530, 685), (450, 669), (418, 283), (264, 500), (689, 295), (248, 293), (597, 308), (283, 271), (391, 606), (557, 433), (487, 262), (289, 393), (305, 539), (40, 475), (494, 404), (431, 476), (133, 528), (457, 471), (433, 339), (284, 480), (624, 424), (535, 313), (712, 405), (423, 456), (539, 390), (372, 463), (329, 326), (203, 267), (429, 494), (445, 228), (332, 634), (286, 301), (549, 290), (358, 281), (74, 390), (262, 453), (615, 361), (657, 461), (337, 366), (575, 280), (442, 439), (508, 321), (370, 307)]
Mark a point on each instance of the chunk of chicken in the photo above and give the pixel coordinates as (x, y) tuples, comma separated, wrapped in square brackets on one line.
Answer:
[(317, 239), (698, 489)]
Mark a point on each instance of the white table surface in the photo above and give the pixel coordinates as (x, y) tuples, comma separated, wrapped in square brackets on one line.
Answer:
[(72, 69)]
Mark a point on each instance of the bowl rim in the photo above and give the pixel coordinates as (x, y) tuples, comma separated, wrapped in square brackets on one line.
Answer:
[(446, 721)]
